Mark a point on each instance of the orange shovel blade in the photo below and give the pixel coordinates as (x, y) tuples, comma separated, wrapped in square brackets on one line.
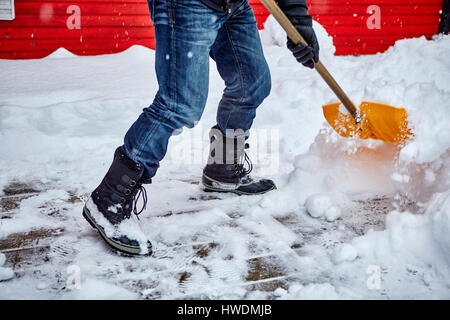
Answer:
[(378, 121)]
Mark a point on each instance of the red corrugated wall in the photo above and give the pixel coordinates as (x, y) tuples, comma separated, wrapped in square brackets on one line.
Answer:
[(346, 22), (109, 26)]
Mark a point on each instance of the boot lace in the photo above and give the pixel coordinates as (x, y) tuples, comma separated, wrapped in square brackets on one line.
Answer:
[(244, 165), (141, 192)]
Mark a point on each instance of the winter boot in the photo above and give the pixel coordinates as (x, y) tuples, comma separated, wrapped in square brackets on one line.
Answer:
[(226, 171), (110, 206)]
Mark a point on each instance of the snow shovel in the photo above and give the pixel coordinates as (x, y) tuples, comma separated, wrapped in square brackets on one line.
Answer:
[(370, 121)]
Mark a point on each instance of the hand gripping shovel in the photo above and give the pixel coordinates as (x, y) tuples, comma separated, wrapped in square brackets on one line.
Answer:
[(371, 121)]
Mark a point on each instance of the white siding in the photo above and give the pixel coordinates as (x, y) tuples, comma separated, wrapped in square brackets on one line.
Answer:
[(6, 9)]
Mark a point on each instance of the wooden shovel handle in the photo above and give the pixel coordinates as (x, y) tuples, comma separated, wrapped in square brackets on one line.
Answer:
[(296, 38)]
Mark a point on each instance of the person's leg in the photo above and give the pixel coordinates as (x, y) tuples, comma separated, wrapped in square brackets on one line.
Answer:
[(241, 63), (444, 25), (185, 31)]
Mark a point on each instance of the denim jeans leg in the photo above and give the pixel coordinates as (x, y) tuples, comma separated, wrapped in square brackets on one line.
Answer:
[(185, 31), (240, 60)]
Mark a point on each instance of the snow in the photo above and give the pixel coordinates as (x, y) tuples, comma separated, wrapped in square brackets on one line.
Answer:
[(417, 243), (321, 206), (5, 273), (440, 226), (344, 252), (94, 289), (323, 291), (128, 227), (350, 219)]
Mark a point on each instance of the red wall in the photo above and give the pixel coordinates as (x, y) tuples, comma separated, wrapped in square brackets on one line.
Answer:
[(109, 26), (346, 21)]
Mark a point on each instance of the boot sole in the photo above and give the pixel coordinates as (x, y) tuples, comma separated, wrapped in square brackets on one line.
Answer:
[(209, 188), (135, 251)]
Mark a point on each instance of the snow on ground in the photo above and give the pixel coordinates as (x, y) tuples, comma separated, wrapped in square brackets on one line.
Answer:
[(350, 219)]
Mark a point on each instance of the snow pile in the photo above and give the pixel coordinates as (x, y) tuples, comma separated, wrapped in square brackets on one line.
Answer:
[(5, 273), (418, 243), (426, 237), (321, 205), (322, 291), (440, 213), (273, 34), (425, 88), (93, 289), (344, 252)]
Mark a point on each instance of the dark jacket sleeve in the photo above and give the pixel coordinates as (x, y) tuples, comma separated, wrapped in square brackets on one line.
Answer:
[(293, 7)]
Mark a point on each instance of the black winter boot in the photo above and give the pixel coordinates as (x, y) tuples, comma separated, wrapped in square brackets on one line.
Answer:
[(226, 172), (110, 206)]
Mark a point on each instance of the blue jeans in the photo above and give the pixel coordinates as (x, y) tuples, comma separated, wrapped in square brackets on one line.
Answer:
[(187, 33)]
